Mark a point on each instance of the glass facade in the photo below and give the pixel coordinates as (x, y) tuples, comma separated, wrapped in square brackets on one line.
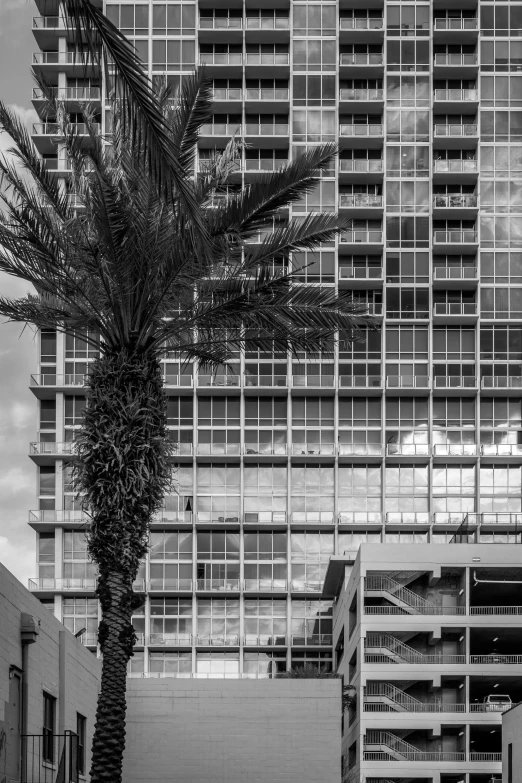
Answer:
[(284, 461)]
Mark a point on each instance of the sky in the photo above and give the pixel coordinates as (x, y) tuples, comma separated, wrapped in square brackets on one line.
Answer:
[(18, 412)]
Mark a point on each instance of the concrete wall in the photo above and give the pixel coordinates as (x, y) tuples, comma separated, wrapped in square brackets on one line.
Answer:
[(233, 731), (512, 735), (57, 663)]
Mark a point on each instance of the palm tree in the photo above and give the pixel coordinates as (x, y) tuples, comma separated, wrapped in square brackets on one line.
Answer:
[(140, 257)]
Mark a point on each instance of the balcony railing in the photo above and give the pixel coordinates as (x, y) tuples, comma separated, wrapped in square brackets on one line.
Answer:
[(265, 164), (220, 129), (219, 380), (312, 640), (359, 200), (361, 23), (455, 450), (455, 58), (495, 659), (312, 517), (167, 515), (467, 236), (456, 130), (407, 518), (220, 23), (360, 381), (456, 23), (265, 449), (455, 272), (218, 517), (217, 449), (265, 380), (360, 450), (502, 450), (48, 447), (361, 94), (47, 22), (267, 58), (407, 450), (305, 586), (265, 585), (454, 381), (265, 640), (501, 382), (221, 58), (362, 58), (62, 58), (407, 381), (360, 518), (61, 515), (448, 518), (267, 94), (53, 128), (49, 583), (170, 639), (467, 94), (218, 585), (497, 611), (454, 201), (267, 129), (267, 23), (360, 165), (455, 308), (360, 272), (57, 380), (218, 640), (310, 381), (363, 237), (455, 166), (265, 517), (181, 585), (228, 94), (360, 130), (314, 449), (178, 380)]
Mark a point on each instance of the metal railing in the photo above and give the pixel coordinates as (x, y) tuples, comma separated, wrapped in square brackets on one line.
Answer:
[(455, 166), (455, 450), (501, 382), (455, 272), (361, 58), (267, 58), (364, 165), (262, 585), (63, 583), (390, 648), (466, 94), (407, 517), (267, 129), (454, 381), (361, 94), (264, 164), (360, 449), (314, 449), (47, 758), (53, 128), (220, 129), (219, 380), (361, 23), (305, 586), (313, 518), (218, 640), (220, 23), (265, 517), (455, 59), (165, 584), (267, 94), (496, 610), (385, 584), (456, 23), (364, 237), (218, 517), (218, 585), (348, 129), (424, 756), (219, 449), (173, 515), (502, 450), (455, 308), (265, 640), (221, 58), (47, 22), (408, 449), (360, 272), (360, 381), (267, 23), (62, 58), (455, 237), (402, 700), (360, 518), (57, 380), (169, 639), (491, 707), (407, 381), (178, 380), (477, 756), (456, 129), (62, 515), (454, 201), (321, 381), (49, 447), (493, 659), (265, 380), (359, 200), (312, 640), (399, 610), (265, 449), (228, 94)]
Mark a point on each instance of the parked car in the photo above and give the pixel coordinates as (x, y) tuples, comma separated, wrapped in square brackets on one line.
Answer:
[(497, 702)]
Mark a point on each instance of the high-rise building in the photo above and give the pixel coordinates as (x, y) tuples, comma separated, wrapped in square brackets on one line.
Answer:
[(287, 460)]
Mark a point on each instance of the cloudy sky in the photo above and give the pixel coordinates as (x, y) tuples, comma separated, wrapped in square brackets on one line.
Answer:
[(17, 347)]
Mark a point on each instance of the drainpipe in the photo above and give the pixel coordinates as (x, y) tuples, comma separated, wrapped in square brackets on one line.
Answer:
[(28, 634)]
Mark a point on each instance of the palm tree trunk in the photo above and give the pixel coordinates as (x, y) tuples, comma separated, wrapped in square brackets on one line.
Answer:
[(116, 637), (123, 472)]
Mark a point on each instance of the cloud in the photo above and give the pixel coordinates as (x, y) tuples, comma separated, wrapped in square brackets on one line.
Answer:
[(18, 558)]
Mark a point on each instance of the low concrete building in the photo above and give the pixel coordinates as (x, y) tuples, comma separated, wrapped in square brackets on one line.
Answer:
[(512, 745), (429, 638), (49, 686), (233, 731)]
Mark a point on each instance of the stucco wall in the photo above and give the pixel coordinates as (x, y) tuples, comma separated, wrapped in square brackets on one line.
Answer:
[(512, 734), (76, 690), (233, 731)]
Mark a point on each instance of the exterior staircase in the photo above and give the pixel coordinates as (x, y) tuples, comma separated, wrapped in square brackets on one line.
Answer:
[(383, 586), (386, 648), (387, 694), (390, 744)]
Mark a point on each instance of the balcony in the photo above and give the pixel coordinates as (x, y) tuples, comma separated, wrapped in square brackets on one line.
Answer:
[(455, 60), (265, 585), (218, 640), (503, 382), (360, 382), (359, 200), (407, 382), (61, 516), (181, 449), (52, 584), (496, 518), (219, 449), (448, 518), (313, 640), (502, 450), (313, 381), (221, 58), (455, 450), (47, 22), (359, 518), (455, 201), (265, 449), (219, 380), (227, 94), (48, 448), (263, 165), (221, 23), (360, 165), (407, 518), (53, 128), (170, 585), (312, 518), (456, 237), (220, 129), (265, 518), (455, 23), (71, 62), (169, 640), (314, 450), (178, 380), (267, 129), (455, 274), (267, 94), (385, 746), (251, 640), (455, 166), (454, 382), (361, 237), (360, 450), (455, 311), (361, 94), (455, 130), (408, 450), (167, 516), (268, 58), (267, 23), (349, 130), (218, 585), (361, 23), (218, 518), (361, 59), (361, 273), (265, 381)]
